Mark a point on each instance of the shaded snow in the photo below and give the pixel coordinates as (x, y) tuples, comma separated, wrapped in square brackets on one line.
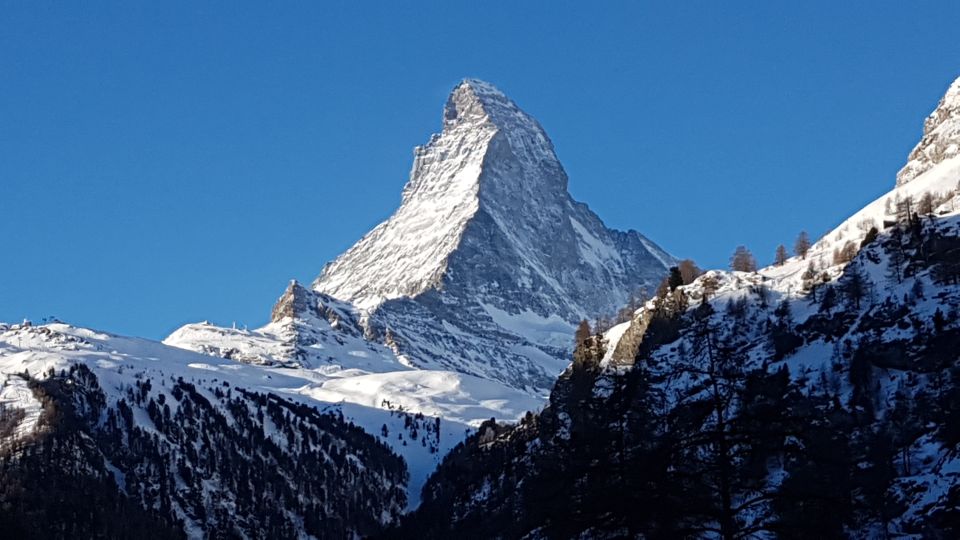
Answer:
[(364, 397)]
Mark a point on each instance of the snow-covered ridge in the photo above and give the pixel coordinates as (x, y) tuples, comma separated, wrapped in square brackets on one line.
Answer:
[(867, 321), (941, 137), (409, 253), (459, 307), (939, 181), (923, 177), (491, 158), (487, 227), (933, 172), (787, 281), (364, 385), (147, 409)]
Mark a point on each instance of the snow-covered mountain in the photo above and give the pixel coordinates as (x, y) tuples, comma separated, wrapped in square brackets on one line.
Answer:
[(393, 425), (486, 218), (106, 436), (456, 310), (814, 399), (941, 137), (483, 269)]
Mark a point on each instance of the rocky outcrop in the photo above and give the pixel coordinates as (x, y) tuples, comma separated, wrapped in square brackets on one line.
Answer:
[(941, 137)]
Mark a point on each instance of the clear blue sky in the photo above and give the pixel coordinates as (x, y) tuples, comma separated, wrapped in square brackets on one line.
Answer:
[(165, 162)]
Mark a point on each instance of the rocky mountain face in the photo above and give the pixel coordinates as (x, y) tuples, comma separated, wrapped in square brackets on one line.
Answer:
[(483, 270), (488, 261), (941, 137), (815, 399), (486, 218), (458, 309)]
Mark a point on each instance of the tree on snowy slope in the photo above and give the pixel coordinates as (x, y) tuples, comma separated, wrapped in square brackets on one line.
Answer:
[(320, 477), (689, 271), (710, 434), (704, 469), (723, 434), (802, 245), (855, 285), (781, 255), (787, 404), (742, 260), (582, 333)]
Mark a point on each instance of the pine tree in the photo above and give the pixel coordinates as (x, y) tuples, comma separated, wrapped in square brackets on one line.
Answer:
[(896, 255), (742, 260), (813, 501), (675, 279), (707, 448), (828, 300), (636, 300), (845, 254), (939, 321), (809, 277), (782, 336), (782, 313), (905, 210), (583, 332), (663, 289), (854, 285), (781, 256), (925, 206), (802, 245), (689, 271), (916, 290)]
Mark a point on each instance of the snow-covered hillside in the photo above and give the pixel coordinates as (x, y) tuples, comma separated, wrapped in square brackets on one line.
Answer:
[(794, 278), (125, 433), (457, 309), (409, 403), (814, 399), (936, 180)]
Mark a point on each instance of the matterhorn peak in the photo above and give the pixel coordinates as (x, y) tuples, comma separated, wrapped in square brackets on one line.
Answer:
[(474, 100), (483, 269), (491, 156), (489, 261), (941, 137)]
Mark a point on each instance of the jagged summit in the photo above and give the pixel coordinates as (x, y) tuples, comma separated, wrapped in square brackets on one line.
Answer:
[(490, 177), (941, 137), (483, 269), (488, 245), (476, 100), (406, 254)]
